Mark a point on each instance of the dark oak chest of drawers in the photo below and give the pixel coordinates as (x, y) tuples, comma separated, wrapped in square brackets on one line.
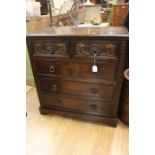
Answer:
[(62, 60)]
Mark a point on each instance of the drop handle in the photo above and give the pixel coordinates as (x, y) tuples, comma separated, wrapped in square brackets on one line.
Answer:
[(52, 68), (93, 107), (94, 90), (94, 49), (95, 52), (49, 49)]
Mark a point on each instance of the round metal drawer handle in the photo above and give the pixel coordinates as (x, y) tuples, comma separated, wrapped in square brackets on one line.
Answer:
[(57, 101), (52, 68), (54, 86), (93, 107), (94, 90)]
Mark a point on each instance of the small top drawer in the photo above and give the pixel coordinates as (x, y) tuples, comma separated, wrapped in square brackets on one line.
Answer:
[(88, 48), (54, 48)]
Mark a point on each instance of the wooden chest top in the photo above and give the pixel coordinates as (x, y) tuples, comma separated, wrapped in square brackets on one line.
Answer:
[(83, 31)]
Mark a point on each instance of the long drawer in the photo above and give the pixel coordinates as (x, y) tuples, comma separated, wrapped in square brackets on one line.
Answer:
[(83, 69), (91, 88), (77, 104)]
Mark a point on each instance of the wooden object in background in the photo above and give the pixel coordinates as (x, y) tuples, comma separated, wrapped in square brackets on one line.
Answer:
[(44, 6), (62, 60), (119, 1), (35, 24), (96, 1), (124, 101), (104, 16), (93, 1), (119, 12)]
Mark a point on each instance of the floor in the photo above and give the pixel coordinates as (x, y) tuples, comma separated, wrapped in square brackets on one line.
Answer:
[(28, 89), (55, 135)]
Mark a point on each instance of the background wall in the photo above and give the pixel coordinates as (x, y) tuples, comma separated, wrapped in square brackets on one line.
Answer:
[(29, 75)]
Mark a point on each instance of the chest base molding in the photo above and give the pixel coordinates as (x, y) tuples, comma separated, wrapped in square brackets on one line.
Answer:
[(80, 116)]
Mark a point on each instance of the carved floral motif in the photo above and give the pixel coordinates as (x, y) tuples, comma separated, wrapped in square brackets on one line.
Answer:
[(101, 48), (49, 48)]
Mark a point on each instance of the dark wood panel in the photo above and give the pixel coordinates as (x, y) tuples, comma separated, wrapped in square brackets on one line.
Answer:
[(111, 121), (106, 70), (75, 87), (76, 104)]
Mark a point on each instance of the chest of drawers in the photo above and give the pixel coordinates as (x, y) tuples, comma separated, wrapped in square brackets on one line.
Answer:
[(62, 60)]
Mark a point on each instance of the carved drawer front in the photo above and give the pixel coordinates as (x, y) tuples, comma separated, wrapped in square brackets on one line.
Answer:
[(100, 48), (106, 70), (77, 87), (72, 103), (54, 48)]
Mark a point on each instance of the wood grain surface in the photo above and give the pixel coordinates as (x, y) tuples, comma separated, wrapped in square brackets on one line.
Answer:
[(84, 31)]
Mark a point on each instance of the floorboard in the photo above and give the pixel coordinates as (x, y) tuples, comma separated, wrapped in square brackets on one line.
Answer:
[(55, 135)]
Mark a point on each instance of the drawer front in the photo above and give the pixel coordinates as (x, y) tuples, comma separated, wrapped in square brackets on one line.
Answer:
[(81, 88), (83, 48), (81, 69), (50, 48), (73, 103)]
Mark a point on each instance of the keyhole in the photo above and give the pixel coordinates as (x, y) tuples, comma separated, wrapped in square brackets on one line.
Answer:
[(95, 52)]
